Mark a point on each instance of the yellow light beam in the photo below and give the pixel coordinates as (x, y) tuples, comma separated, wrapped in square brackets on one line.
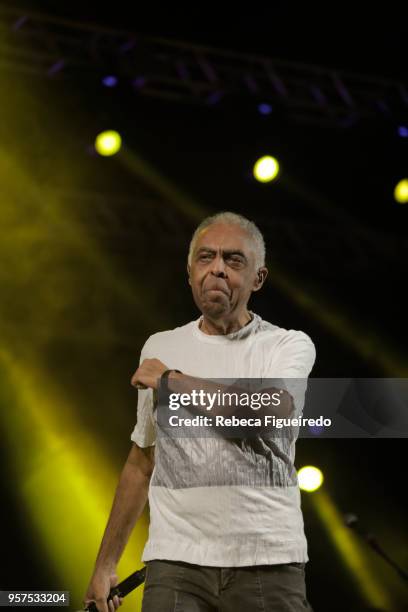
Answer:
[(350, 551), (371, 346), (31, 217), (65, 482), (180, 200)]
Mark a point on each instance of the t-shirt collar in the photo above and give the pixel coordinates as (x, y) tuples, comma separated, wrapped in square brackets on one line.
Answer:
[(240, 334)]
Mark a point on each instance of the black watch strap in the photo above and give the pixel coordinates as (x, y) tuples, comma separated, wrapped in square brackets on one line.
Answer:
[(166, 373), (163, 382)]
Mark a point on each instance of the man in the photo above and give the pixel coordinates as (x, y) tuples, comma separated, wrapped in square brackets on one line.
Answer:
[(226, 528)]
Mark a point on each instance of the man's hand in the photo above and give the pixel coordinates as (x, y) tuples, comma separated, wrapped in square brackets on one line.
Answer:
[(98, 591), (148, 374)]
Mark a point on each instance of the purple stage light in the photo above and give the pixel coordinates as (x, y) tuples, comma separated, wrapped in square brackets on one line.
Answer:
[(110, 81), (403, 131), (316, 430), (265, 109)]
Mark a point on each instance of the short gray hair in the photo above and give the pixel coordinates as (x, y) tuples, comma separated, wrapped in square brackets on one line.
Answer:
[(231, 218)]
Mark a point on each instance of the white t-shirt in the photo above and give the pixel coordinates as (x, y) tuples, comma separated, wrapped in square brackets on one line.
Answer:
[(214, 502)]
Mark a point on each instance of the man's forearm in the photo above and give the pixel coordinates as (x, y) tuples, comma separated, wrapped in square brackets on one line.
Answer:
[(130, 499), (183, 383)]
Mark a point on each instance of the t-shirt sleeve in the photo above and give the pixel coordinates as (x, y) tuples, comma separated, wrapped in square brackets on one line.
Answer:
[(292, 362), (144, 432)]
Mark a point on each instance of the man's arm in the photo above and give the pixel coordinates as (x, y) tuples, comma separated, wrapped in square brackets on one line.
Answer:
[(128, 504), (183, 383), (150, 370)]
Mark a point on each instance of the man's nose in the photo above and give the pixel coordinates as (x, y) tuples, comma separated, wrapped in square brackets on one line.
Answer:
[(218, 267)]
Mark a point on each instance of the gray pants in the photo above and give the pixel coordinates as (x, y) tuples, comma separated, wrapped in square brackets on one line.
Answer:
[(176, 586)]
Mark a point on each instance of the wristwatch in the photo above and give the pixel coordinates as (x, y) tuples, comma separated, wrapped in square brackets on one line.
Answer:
[(166, 373)]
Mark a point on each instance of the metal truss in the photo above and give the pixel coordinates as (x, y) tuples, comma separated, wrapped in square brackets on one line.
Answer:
[(183, 72), (138, 221)]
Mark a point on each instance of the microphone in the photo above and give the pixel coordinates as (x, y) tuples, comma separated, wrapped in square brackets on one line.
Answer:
[(123, 588), (352, 521)]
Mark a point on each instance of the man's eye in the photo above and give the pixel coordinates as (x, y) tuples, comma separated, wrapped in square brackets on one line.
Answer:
[(204, 256), (235, 259)]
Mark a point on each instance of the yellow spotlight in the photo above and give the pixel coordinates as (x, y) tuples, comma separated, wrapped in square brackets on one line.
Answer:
[(310, 478), (401, 192), (108, 143), (266, 169), (354, 554)]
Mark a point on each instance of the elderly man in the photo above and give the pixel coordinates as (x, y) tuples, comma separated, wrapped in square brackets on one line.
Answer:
[(226, 527)]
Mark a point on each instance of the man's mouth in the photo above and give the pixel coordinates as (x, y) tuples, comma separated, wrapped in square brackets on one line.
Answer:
[(218, 290)]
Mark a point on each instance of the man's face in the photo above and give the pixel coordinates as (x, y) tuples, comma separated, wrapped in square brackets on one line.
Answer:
[(223, 274)]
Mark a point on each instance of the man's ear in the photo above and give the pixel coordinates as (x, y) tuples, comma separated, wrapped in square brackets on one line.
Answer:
[(188, 272), (260, 278)]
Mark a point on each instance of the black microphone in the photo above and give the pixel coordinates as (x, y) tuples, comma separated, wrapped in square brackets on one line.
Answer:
[(352, 521), (123, 588)]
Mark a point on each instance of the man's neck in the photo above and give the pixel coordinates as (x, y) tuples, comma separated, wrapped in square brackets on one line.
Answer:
[(221, 327)]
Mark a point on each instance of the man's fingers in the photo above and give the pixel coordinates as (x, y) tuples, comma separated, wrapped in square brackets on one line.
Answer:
[(150, 371), (135, 382), (99, 603), (102, 605)]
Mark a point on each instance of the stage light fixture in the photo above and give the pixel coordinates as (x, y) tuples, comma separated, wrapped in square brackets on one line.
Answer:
[(266, 169), (310, 478), (110, 80), (264, 108), (401, 191), (108, 143)]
